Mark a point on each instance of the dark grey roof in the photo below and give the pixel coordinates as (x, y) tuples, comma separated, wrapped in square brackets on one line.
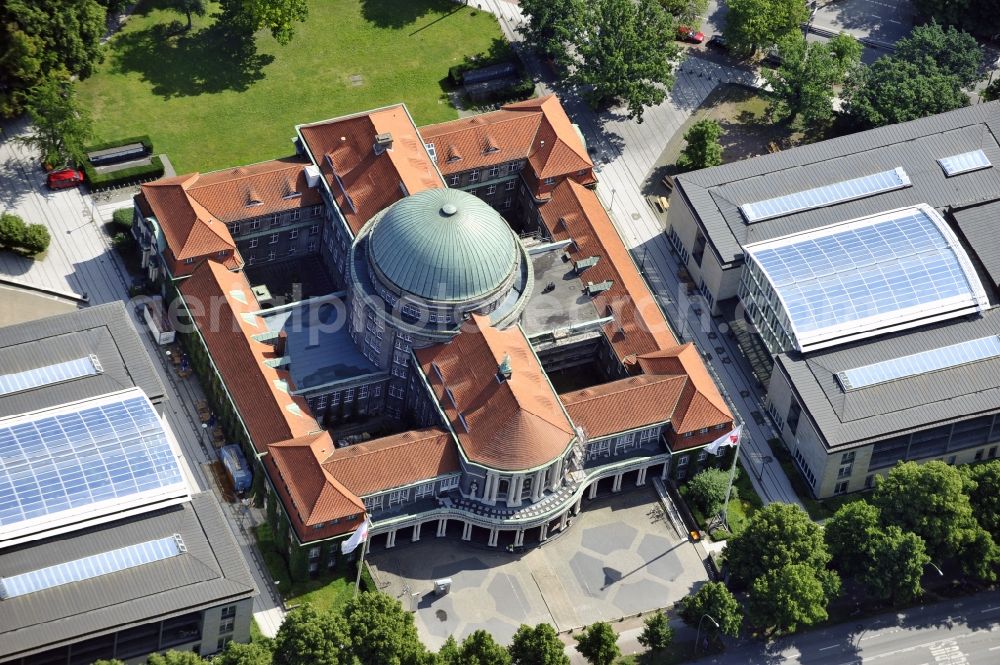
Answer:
[(902, 405), (105, 331), (211, 572), (716, 193), (980, 226)]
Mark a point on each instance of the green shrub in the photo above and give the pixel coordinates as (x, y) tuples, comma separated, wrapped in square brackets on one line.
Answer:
[(36, 239), (123, 218), (124, 176), (12, 230)]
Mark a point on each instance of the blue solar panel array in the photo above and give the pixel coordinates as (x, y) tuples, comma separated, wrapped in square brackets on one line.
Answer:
[(921, 363), (967, 161), (55, 463), (43, 376), (89, 567), (838, 192), (903, 261)]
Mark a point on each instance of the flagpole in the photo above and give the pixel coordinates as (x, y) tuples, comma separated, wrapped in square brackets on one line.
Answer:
[(732, 477), (361, 563)]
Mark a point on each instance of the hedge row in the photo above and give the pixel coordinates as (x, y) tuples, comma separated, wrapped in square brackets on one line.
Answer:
[(143, 139), (102, 180)]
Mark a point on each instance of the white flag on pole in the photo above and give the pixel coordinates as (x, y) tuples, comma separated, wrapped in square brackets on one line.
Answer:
[(731, 439), (358, 537)]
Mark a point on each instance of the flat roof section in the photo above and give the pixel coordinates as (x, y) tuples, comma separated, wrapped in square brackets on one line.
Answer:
[(563, 306), (863, 277), (104, 331), (208, 571), (318, 345), (910, 401), (68, 467)]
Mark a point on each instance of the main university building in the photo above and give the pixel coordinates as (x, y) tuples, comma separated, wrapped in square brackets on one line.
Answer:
[(868, 267), (487, 357)]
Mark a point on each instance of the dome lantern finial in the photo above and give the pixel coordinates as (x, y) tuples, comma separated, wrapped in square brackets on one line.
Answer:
[(448, 209), (504, 370)]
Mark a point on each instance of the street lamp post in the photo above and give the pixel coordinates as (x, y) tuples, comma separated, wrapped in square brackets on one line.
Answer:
[(698, 633), (934, 566)]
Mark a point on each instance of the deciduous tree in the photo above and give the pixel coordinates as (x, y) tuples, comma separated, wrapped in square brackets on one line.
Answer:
[(980, 17), (598, 643), (277, 16), (60, 126), (777, 535), (450, 653), (982, 486), (895, 565), (189, 8), (707, 490), (951, 51), (254, 653), (38, 40), (624, 50), (803, 84), (702, 150), (656, 631), (309, 636), (794, 595), (891, 90), (551, 25), (928, 499), (850, 534), (715, 600), (480, 648), (687, 12), (381, 631), (175, 658), (537, 645), (754, 25)]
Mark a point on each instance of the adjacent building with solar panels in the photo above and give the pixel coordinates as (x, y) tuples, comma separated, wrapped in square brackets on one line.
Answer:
[(862, 274), (104, 551)]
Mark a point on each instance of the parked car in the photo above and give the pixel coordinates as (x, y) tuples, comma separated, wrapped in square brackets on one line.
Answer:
[(64, 178), (690, 35), (719, 42)]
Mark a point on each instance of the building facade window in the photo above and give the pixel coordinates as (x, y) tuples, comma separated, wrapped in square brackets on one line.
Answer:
[(453, 181), (314, 229), (473, 176), (794, 412), (426, 489), (494, 171), (293, 234), (490, 190), (274, 239)]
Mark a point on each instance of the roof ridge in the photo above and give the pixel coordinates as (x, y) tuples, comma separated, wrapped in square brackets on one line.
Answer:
[(652, 379)]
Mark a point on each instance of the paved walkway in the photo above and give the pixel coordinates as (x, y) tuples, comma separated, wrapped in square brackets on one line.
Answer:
[(619, 559), (624, 153), (80, 260)]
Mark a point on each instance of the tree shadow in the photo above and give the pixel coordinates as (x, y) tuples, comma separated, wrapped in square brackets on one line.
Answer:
[(400, 13), (182, 64)]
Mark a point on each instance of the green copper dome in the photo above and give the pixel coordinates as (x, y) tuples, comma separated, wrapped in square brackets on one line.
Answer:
[(443, 245)]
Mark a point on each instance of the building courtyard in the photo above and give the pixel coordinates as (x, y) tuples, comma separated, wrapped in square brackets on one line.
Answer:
[(621, 558)]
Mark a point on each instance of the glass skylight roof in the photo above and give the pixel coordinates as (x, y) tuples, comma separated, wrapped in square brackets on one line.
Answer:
[(858, 278), (91, 566), (967, 161), (66, 467), (818, 197), (921, 363), (43, 376)]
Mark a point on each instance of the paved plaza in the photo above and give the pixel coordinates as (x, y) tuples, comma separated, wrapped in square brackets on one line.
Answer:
[(619, 558)]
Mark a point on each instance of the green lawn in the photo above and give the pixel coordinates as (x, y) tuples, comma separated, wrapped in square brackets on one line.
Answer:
[(209, 104)]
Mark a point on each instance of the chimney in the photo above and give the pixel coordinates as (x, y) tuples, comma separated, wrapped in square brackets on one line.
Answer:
[(383, 142), (504, 370), (279, 343)]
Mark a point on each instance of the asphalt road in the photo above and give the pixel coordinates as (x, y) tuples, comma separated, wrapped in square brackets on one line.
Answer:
[(965, 632)]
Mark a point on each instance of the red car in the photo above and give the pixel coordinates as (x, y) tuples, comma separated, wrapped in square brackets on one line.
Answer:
[(63, 178), (686, 34)]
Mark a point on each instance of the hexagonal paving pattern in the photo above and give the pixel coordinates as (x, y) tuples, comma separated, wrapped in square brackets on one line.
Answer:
[(608, 538)]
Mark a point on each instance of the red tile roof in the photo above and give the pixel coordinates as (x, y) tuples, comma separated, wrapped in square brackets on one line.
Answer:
[(223, 306), (318, 505), (394, 461), (537, 130), (230, 195), (345, 147), (575, 212), (619, 406), (511, 425), (701, 405)]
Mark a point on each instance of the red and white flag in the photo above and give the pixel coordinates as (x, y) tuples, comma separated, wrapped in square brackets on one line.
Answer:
[(731, 439), (358, 537)]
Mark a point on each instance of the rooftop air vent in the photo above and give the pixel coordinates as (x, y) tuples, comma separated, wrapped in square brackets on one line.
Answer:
[(600, 287), (583, 264), (383, 142)]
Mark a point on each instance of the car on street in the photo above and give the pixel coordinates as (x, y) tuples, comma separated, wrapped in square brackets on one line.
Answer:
[(690, 35), (64, 178), (718, 42)]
